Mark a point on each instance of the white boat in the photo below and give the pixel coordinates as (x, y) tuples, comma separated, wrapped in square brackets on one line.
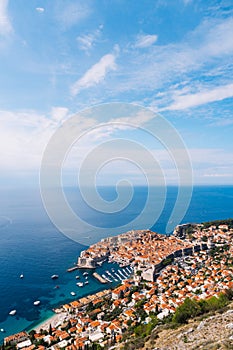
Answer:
[(2, 330), (12, 312), (85, 273), (73, 293), (77, 277), (79, 284), (21, 276), (54, 277), (86, 282), (37, 302)]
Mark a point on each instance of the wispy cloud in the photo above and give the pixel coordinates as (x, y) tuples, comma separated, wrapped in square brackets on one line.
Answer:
[(5, 24), (95, 74), (202, 97), (209, 47), (186, 2), (70, 13), (145, 40), (87, 41), (25, 135)]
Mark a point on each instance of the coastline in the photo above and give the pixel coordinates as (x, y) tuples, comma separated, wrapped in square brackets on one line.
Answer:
[(52, 320), (172, 248)]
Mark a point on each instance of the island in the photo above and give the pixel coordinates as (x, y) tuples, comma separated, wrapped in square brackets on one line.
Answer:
[(174, 279)]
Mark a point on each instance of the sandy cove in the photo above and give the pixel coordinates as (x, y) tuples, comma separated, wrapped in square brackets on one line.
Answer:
[(53, 321)]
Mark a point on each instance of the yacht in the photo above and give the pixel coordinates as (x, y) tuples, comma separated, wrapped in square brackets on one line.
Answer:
[(79, 284), (12, 312), (37, 302), (73, 293), (54, 277)]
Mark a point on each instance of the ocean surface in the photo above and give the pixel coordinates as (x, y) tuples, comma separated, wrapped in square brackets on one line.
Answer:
[(32, 245)]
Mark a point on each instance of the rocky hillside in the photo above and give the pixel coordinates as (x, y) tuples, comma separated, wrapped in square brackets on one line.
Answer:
[(211, 332)]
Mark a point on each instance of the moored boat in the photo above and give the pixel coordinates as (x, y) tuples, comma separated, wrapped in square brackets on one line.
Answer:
[(54, 277), (79, 284), (12, 312), (37, 302)]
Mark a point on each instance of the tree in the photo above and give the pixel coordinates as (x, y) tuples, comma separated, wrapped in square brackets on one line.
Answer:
[(190, 308), (32, 334)]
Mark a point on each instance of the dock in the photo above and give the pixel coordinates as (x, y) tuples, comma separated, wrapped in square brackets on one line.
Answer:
[(99, 278)]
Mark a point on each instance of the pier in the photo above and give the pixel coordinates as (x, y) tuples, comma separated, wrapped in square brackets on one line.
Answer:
[(72, 268), (99, 278)]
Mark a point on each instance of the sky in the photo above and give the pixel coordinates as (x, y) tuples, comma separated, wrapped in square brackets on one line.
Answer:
[(61, 57)]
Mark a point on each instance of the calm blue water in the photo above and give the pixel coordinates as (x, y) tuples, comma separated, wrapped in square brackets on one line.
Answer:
[(30, 244)]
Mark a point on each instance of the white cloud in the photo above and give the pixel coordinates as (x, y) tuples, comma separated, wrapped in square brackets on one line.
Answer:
[(5, 24), (24, 135), (145, 40), (95, 74), (59, 114), (87, 41), (209, 47), (40, 9), (202, 97)]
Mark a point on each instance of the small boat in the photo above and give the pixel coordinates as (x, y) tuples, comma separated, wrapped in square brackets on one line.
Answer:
[(79, 284), (73, 293), (85, 273), (86, 282), (12, 312), (56, 287), (54, 277), (37, 302), (77, 277), (21, 276), (2, 330)]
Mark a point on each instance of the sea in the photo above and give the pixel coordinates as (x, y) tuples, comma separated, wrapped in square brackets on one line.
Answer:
[(31, 245)]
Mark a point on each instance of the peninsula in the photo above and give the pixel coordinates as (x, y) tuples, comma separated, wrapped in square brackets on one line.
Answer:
[(174, 278)]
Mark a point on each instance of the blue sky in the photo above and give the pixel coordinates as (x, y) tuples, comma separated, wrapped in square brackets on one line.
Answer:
[(61, 56)]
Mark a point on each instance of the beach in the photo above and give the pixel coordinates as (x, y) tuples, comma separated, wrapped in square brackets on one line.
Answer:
[(53, 321)]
